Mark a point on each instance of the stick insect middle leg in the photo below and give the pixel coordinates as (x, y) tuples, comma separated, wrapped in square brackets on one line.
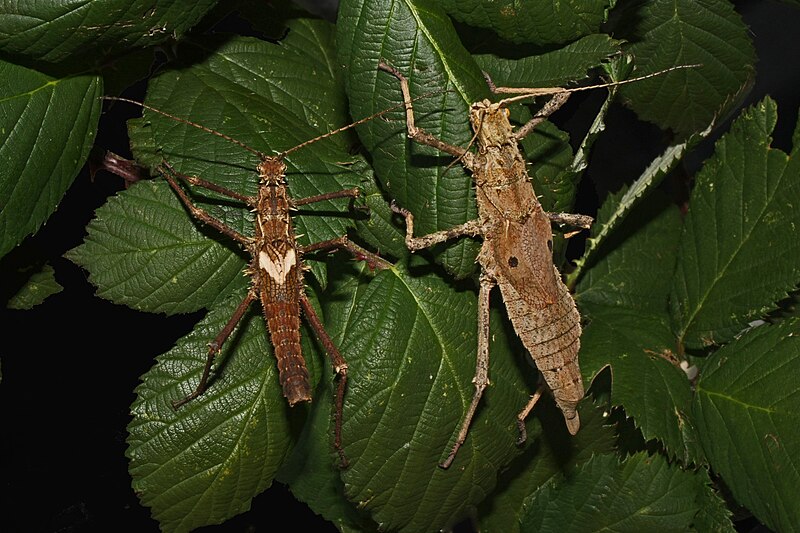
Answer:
[(470, 228), (481, 379), (487, 283)]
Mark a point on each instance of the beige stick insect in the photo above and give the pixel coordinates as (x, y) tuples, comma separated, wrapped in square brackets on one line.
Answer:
[(517, 251)]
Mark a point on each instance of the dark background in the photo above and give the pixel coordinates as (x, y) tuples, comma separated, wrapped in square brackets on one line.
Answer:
[(70, 365)]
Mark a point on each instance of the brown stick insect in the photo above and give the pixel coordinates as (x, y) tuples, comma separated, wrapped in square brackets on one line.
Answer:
[(275, 269), (517, 250)]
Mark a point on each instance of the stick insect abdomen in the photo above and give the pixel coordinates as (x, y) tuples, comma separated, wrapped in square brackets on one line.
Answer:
[(539, 305), (552, 337), (280, 280), (283, 323)]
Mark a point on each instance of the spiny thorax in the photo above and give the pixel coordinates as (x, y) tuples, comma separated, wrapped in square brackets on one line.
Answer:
[(499, 169), (278, 264)]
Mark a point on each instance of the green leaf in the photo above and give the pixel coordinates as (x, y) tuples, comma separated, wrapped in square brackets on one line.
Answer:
[(636, 272), (617, 206), (134, 67), (625, 297), (552, 455), (639, 494), (142, 250), (714, 514), (54, 31), (312, 474), (418, 39), (39, 285), (204, 463), (551, 69), (687, 32), (47, 126), (646, 379), (411, 345), (540, 22), (736, 258), (746, 408)]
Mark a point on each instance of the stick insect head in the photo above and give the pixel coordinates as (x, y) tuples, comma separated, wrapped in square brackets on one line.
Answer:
[(490, 123), (272, 170)]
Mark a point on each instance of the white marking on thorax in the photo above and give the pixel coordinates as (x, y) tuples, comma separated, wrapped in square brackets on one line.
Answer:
[(278, 270)]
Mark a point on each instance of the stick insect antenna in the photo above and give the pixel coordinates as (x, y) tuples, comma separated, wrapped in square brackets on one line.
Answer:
[(530, 92), (261, 155), (352, 125)]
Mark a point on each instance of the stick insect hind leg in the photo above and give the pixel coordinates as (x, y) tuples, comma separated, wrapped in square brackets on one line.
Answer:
[(215, 346)]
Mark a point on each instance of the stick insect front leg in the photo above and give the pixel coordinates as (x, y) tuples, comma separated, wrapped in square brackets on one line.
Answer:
[(170, 174), (418, 134), (473, 227)]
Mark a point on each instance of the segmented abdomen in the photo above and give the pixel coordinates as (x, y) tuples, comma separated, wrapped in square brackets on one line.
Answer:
[(283, 322), (551, 333)]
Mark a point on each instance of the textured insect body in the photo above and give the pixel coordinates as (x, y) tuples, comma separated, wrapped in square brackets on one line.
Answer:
[(277, 271), (517, 254)]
